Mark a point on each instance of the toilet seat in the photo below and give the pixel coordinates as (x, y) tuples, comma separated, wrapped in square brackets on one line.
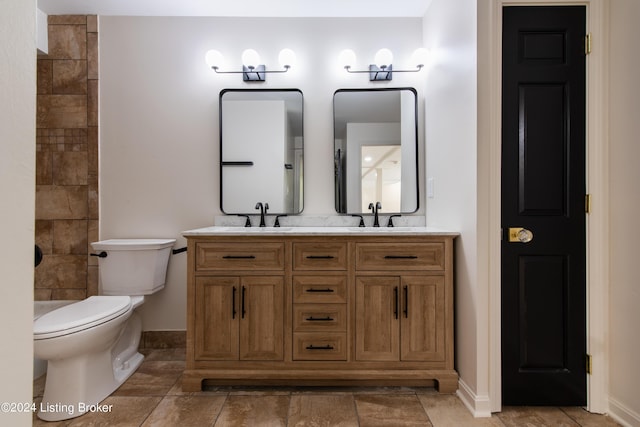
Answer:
[(81, 315)]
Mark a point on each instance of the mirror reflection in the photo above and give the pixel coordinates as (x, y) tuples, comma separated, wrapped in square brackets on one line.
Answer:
[(261, 150), (375, 150)]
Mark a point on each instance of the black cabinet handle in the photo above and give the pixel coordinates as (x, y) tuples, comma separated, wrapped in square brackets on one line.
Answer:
[(320, 257), (319, 319), (233, 303), (400, 257), (313, 290), (239, 257), (406, 302), (242, 303), (395, 298), (323, 347)]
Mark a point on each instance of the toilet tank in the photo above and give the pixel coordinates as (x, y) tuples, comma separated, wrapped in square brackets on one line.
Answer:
[(133, 266)]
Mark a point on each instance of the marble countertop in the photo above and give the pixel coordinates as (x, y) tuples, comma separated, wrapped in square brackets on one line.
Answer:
[(312, 231)]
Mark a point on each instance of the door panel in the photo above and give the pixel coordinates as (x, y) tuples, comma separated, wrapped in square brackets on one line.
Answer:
[(423, 314), (217, 335), (377, 318), (543, 189), (261, 318)]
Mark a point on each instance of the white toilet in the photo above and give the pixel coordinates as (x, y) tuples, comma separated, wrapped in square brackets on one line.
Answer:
[(92, 345)]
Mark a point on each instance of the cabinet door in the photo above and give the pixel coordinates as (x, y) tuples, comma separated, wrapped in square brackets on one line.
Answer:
[(422, 318), (216, 326), (377, 318), (261, 318)]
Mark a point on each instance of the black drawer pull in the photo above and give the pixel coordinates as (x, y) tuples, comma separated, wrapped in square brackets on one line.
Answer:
[(324, 347), (239, 257), (320, 257), (319, 319), (400, 257), (312, 290)]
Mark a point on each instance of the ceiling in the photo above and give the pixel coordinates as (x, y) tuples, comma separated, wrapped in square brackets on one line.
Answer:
[(240, 8)]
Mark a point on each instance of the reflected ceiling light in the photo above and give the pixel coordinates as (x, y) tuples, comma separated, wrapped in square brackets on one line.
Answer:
[(252, 69), (382, 69)]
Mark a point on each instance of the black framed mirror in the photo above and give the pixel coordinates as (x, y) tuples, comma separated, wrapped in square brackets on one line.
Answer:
[(376, 150), (261, 150)]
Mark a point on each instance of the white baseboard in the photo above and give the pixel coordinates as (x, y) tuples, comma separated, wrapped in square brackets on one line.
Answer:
[(479, 406), (623, 415)]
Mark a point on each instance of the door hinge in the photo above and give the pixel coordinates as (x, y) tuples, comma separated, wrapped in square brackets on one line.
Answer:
[(587, 44), (587, 203), (589, 364)]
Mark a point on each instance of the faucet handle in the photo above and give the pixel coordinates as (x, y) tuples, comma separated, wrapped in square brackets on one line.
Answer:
[(390, 223), (266, 207)]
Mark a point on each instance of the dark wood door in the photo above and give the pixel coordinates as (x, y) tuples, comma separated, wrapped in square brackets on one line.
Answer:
[(543, 202)]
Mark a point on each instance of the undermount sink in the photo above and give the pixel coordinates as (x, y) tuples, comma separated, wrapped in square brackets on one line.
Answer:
[(380, 229), (255, 229)]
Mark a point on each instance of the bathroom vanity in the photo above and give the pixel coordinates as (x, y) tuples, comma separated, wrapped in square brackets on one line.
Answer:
[(320, 306)]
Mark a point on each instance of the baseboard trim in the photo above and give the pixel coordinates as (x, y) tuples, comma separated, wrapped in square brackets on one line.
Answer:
[(623, 415), (479, 406)]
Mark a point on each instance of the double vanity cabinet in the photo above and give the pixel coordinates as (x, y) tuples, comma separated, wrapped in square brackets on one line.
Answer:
[(320, 306)]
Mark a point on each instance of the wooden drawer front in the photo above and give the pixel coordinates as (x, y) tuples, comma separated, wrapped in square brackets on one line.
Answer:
[(400, 256), (239, 256), (320, 289), (320, 346), (320, 256), (319, 317)]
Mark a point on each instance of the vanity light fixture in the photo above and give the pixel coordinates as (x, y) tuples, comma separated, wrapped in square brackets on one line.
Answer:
[(382, 69), (252, 69)]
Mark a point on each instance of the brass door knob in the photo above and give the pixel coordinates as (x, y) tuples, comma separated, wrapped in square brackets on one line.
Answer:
[(520, 235)]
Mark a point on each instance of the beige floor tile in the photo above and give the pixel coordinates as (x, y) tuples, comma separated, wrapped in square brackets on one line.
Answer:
[(185, 411), (125, 412), (250, 411), (516, 416), (390, 410), (154, 378), (322, 410), (38, 386), (586, 419), (169, 354), (446, 410)]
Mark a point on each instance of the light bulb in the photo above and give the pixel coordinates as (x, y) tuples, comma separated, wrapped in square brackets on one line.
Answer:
[(287, 58), (347, 58), (250, 58), (214, 59), (419, 57), (383, 57)]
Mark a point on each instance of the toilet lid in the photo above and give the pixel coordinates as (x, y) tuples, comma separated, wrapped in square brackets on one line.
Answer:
[(80, 315)]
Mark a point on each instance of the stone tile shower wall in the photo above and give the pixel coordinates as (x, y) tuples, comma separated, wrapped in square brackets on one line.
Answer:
[(67, 159)]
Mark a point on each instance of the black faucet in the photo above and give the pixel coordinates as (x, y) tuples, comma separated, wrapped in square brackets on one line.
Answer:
[(361, 224), (263, 211), (374, 210)]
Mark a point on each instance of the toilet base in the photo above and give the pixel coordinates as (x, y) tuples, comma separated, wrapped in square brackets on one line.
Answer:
[(77, 385)]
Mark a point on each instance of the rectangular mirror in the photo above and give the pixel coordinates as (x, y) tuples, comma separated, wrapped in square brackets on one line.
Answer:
[(376, 149), (261, 150)]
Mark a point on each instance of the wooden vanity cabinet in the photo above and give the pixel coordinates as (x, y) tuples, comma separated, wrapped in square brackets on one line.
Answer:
[(295, 309)]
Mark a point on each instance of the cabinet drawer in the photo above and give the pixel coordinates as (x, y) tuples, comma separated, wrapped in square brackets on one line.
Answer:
[(239, 256), (319, 346), (401, 256), (320, 289), (319, 317), (320, 256)]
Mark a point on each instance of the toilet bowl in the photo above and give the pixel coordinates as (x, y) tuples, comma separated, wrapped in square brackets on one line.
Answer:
[(91, 346)]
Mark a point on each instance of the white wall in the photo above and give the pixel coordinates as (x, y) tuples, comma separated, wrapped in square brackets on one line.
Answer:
[(625, 204), (159, 117), (452, 155), (17, 212)]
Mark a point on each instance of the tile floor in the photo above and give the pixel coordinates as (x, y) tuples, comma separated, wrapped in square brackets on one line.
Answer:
[(153, 397)]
